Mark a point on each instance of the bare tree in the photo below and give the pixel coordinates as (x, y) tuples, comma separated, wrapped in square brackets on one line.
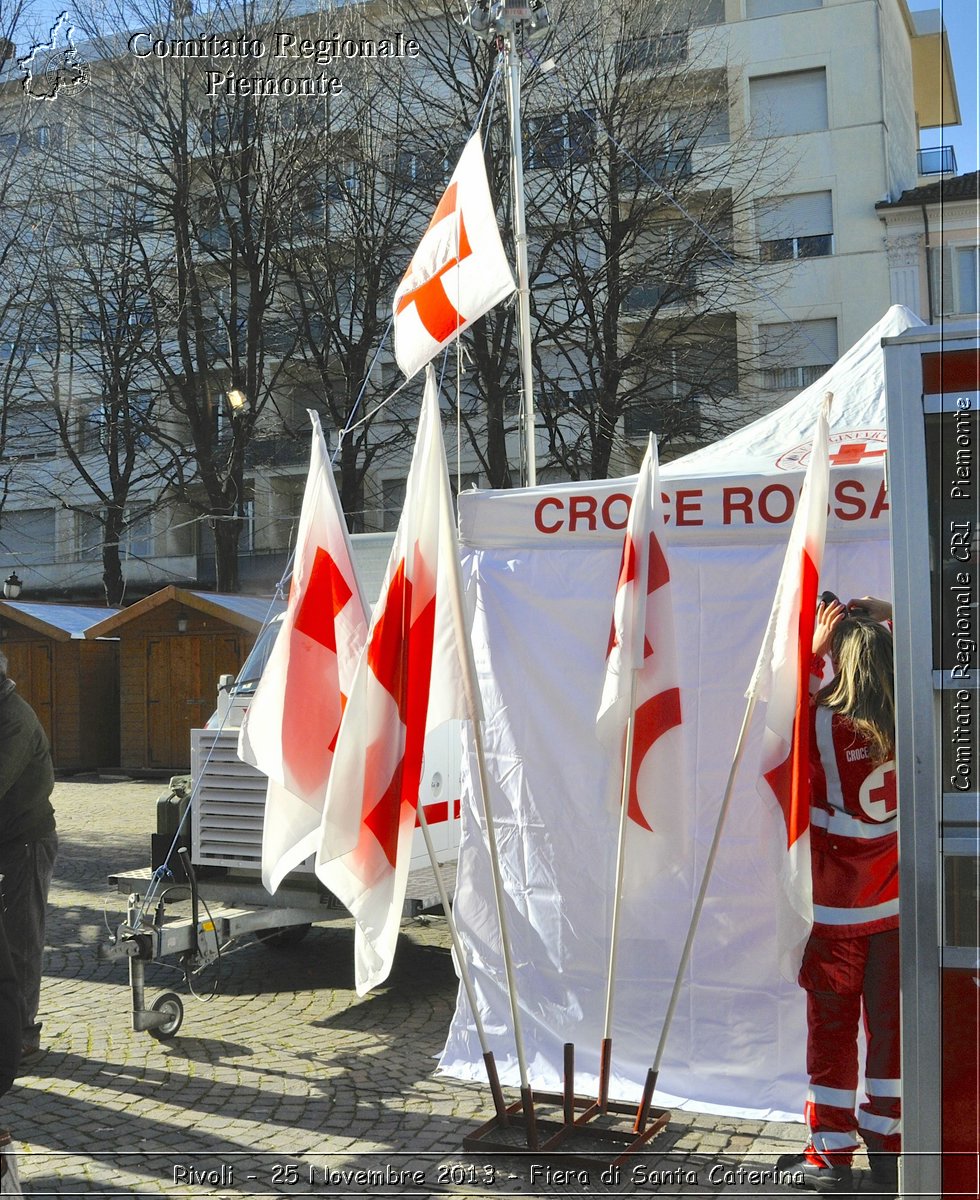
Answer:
[(20, 222), (92, 367), (638, 184), (254, 299)]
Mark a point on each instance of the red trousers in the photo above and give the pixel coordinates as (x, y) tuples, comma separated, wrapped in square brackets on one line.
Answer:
[(843, 978)]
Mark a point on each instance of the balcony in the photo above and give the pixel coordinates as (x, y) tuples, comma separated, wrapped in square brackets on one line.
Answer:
[(645, 297), (937, 160), (651, 53)]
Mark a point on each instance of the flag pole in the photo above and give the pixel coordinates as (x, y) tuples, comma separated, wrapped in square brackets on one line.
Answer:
[(489, 1062), (475, 714), (605, 1058), (654, 1072), (509, 24)]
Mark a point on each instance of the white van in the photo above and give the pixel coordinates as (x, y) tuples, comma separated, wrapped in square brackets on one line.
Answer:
[(227, 815)]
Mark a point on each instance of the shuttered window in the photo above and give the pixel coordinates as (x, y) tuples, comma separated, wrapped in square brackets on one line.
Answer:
[(788, 104), (953, 272), (799, 226), (794, 355), (774, 8)]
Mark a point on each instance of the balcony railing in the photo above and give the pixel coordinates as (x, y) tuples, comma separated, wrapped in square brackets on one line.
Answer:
[(937, 160)]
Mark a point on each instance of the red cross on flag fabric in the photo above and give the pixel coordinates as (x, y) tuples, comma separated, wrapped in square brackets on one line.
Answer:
[(641, 677), (459, 270), (782, 676), (409, 681), (291, 724)]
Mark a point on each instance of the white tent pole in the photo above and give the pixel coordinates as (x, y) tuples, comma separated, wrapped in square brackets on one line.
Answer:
[(702, 890), (464, 968), (605, 1063)]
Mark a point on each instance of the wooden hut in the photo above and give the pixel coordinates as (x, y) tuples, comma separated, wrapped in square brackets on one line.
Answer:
[(173, 645), (70, 681)]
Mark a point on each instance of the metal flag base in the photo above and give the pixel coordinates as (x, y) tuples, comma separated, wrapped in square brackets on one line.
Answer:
[(583, 1130)]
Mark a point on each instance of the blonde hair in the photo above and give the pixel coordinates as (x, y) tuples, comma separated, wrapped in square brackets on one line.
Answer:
[(863, 690)]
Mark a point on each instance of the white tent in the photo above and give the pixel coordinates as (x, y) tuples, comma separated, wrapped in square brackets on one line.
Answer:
[(540, 568)]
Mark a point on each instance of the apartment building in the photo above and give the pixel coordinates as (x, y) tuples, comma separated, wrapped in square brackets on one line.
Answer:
[(849, 85), (836, 90)]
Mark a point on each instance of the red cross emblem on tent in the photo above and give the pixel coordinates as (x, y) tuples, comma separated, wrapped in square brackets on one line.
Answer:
[(853, 447), (434, 307)]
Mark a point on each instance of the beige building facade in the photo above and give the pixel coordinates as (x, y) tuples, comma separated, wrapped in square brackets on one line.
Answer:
[(841, 225)]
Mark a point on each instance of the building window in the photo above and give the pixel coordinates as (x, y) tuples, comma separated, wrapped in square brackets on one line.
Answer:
[(789, 104), (796, 354), (91, 428), (775, 8), (393, 501), (26, 436), (246, 540), (691, 372), (89, 532), (559, 140), (342, 181), (27, 535), (953, 272), (246, 532), (421, 170), (650, 53), (799, 226), (129, 419), (136, 539), (47, 137), (568, 397)]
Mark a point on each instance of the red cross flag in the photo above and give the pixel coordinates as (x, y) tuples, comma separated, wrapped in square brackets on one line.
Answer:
[(459, 270), (409, 681), (641, 672), (782, 675), (291, 725)]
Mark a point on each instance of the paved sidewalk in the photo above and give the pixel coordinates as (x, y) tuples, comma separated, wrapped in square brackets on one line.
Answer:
[(286, 1083)]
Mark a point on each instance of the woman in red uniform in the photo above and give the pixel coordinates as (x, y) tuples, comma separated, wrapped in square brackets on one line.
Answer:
[(850, 964)]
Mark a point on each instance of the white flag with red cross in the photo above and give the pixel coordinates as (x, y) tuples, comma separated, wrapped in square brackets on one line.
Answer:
[(782, 676), (641, 649), (459, 270), (291, 725), (409, 681)]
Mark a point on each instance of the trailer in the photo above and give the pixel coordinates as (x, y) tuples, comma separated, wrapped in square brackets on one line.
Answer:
[(206, 852)]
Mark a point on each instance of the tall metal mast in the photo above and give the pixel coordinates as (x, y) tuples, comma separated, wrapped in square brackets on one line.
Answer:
[(513, 22)]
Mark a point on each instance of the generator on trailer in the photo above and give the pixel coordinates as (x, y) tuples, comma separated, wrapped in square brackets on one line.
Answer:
[(208, 845)]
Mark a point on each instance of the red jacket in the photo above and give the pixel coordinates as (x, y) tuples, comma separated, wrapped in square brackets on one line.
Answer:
[(853, 831)]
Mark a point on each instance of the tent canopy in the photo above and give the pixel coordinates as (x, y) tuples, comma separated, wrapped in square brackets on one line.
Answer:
[(540, 567), (743, 488)]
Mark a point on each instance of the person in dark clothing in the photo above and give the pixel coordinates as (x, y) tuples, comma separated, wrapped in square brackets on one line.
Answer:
[(28, 846), (11, 1021), (11, 1024)]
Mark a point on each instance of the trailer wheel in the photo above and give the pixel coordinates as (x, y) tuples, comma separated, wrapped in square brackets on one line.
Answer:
[(281, 937), (172, 1005)]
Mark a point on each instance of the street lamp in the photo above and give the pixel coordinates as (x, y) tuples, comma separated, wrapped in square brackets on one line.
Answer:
[(12, 586), (236, 400)]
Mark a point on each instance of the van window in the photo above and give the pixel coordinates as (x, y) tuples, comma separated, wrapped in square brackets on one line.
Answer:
[(251, 672)]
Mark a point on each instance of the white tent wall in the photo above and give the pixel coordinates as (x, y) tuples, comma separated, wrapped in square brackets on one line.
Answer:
[(540, 568)]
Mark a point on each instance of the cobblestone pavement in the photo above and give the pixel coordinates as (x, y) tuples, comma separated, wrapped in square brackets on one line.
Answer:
[(285, 1083)]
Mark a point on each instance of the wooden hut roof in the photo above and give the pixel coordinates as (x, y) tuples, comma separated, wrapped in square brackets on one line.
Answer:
[(245, 612), (60, 622)]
